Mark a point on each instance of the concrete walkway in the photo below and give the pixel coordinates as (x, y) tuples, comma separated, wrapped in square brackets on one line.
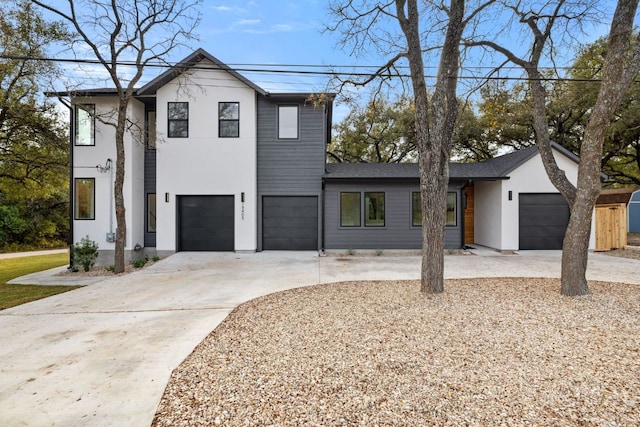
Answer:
[(102, 355)]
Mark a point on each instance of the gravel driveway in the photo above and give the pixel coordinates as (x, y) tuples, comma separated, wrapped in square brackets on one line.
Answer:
[(498, 351)]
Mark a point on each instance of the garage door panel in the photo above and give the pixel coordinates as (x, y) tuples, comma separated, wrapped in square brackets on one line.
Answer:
[(206, 223), (543, 221), (289, 223)]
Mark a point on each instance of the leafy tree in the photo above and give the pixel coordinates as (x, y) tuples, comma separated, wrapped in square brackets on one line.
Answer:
[(620, 67), (139, 33), (381, 132), (33, 142)]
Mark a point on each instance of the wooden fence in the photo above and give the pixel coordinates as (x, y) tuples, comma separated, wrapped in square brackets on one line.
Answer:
[(611, 226)]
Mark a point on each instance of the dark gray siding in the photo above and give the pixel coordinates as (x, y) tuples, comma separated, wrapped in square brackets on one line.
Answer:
[(290, 167), (398, 233), (149, 187)]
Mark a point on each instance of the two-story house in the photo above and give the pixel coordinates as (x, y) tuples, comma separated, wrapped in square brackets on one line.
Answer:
[(216, 163)]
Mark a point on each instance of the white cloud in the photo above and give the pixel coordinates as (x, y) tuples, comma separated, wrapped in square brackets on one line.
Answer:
[(247, 22), (282, 28)]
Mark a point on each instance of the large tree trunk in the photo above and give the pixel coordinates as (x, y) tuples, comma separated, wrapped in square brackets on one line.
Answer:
[(121, 224), (434, 132)]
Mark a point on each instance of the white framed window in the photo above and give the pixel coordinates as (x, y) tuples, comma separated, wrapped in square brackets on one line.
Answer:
[(288, 121)]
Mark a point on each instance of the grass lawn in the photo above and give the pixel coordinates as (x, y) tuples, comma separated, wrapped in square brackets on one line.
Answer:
[(12, 295)]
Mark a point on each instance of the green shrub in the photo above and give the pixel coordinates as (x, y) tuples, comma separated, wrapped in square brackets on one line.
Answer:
[(156, 258), (378, 252), (85, 253), (140, 262), (111, 268)]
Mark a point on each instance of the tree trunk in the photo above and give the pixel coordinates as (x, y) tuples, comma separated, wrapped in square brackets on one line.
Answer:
[(121, 224)]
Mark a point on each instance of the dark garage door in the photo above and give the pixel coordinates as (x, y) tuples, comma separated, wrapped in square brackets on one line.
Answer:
[(289, 223), (543, 221), (205, 223)]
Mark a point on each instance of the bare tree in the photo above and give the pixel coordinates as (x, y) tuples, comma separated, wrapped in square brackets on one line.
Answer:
[(621, 65), (125, 37), (362, 25)]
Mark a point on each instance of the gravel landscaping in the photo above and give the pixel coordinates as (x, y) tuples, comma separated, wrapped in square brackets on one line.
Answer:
[(486, 352)]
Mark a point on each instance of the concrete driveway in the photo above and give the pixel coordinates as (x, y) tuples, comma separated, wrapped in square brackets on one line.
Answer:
[(102, 355)]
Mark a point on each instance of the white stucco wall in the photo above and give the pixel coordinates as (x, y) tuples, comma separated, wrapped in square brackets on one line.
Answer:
[(492, 201), (86, 158), (487, 213), (203, 163)]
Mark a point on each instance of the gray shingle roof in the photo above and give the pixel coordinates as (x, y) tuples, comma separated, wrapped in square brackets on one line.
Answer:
[(497, 168)]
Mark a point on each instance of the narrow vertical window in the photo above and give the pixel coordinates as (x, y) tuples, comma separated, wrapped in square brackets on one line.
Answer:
[(178, 115), (350, 209), (287, 122), (151, 212), (374, 209), (85, 198), (85, 117), (416, 209), (452, 210), (228, 119), (151, 130)]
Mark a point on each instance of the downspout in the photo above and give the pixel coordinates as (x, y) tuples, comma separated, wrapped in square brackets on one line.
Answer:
[(72, 121)]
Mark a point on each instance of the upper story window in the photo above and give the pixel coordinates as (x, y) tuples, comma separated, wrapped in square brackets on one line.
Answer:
[(228, 119), (151, 130), (178, 115), (85, 115), (451, 219), (85, 198), (288, 122)]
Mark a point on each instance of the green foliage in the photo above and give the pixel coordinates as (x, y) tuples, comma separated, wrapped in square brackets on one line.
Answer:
[(85, 253), (140, 262), (382, 132), (33, 139), (156, 258), (505, 117), (351, 251), (378, 252), (12, 295)]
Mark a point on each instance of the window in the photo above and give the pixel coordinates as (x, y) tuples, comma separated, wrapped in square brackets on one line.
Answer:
[(151, 212), (350, 209), (287, 122), (85, 198), (151, 130), (228, 119), (85, 115), (178, 115), (451, 219), (416, 209), (374, 209)]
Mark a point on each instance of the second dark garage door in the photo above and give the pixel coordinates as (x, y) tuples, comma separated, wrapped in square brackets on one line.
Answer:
[(205, 223), (543, 221), (289, 223)]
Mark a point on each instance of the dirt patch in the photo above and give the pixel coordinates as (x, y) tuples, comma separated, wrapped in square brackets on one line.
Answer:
[(633, 239)]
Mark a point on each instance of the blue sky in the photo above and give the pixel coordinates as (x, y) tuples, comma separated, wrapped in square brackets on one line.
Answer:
[(285, 32)]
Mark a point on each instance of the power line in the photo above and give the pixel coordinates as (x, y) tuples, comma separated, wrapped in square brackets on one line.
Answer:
[(244, 68)]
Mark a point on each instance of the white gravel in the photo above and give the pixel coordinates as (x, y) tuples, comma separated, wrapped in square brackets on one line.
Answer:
[(486, 352)]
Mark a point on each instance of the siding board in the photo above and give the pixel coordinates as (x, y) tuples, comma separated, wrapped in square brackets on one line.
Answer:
[(398, 233)]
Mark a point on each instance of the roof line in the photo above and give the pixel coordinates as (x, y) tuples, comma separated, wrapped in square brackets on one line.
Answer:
[(189, 62)]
